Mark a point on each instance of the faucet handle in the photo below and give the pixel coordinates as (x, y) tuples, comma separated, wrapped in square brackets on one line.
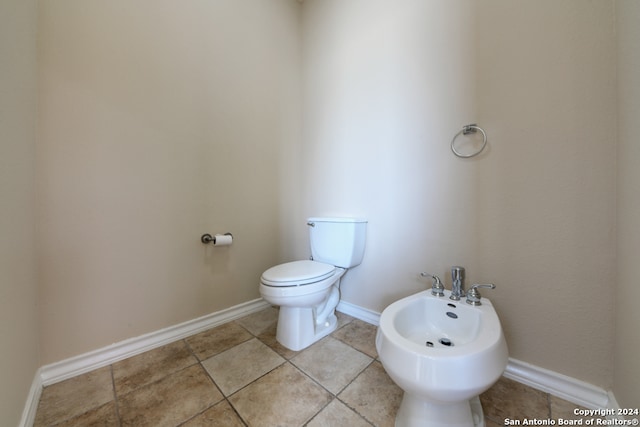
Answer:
[(473, 294), (437, 288)]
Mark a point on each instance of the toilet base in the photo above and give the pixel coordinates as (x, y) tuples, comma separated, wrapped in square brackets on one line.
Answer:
[(417, 412), (297, 328)]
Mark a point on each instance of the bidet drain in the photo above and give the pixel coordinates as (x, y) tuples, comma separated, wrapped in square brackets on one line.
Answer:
[(446, 341)]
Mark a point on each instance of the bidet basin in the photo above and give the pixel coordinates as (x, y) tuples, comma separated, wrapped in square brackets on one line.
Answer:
[(435, 322), (439, 349)]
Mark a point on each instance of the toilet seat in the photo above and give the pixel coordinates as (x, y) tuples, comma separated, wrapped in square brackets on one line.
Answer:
[(297, 273)]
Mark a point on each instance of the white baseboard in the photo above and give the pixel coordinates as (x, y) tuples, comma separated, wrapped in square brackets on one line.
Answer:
[(559, 385), (613, 403), (31, 404), (358, 312), (562, 386), (105, 356)]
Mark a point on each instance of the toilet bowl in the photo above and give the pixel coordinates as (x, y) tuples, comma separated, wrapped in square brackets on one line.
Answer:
[(308, 291), (443, 354)]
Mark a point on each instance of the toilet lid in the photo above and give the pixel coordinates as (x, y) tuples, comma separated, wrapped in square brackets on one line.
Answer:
[(297, 273)]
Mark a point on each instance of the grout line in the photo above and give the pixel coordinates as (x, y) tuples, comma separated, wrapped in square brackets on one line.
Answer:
[(352, 381), (313, 379), (224, 397), (235, 411), (335, 395), (115, 396), (208, 375), (257, 379), (290, 362), (320, 410)]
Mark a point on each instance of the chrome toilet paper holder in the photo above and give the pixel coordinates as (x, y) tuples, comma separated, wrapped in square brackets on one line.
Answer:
[(208, 238)]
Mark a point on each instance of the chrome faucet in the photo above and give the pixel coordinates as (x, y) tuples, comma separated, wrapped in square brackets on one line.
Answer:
[(457, 279), (474, 297), (437, 288)]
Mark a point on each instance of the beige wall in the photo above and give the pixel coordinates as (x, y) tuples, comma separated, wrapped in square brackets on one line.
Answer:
[(160, 121), (386, 87), (627, 345), (388, 84), (546, 215), (158, 124), (19, 357)]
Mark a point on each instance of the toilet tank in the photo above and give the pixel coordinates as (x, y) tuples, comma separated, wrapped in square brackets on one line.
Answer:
[(337, 241)]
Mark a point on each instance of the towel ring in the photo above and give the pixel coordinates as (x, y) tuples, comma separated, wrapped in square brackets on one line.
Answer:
[(467, 129)]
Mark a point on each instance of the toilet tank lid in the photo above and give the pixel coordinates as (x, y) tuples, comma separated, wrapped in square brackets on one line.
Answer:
[(298, 271)]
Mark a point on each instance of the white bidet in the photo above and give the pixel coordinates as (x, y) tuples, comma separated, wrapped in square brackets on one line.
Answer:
[(443, 354)]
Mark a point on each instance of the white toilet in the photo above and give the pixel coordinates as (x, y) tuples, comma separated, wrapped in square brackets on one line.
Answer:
[(308, 291)]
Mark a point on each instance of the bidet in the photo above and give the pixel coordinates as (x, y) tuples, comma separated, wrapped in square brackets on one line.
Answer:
[(443, 354)]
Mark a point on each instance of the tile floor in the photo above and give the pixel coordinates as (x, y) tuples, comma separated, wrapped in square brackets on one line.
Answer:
[(238, 375)]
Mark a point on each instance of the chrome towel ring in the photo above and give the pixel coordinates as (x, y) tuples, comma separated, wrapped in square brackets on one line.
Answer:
[(466, 130)]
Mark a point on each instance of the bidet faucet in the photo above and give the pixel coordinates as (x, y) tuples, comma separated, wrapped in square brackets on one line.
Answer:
[(457, 286), (437, 288), (474, 297)]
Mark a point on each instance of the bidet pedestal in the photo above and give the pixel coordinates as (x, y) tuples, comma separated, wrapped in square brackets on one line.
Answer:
[(415, 411)]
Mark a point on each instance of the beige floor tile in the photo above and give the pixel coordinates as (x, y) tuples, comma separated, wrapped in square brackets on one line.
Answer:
[(332, 363), (103, 416), (283, 397), (233, 369), (269, 338), (171, 400), (150, 366), (561, 408), (217, 340), (337, 414), (220, 415), (489, 423), (360, 335), (343, 319), (374, 396), (510, 399), (258, 322), (75, 396)]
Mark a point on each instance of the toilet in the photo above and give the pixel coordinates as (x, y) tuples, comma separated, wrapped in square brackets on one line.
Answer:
[(308, 291)]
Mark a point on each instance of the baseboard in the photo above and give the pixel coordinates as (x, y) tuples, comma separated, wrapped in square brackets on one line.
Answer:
[(562, 386), (613, 403), (81, 364), (68, 368), (31, 404), (358, 312)]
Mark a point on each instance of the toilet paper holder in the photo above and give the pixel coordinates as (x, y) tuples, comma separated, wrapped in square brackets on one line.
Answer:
[(208, 238)]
